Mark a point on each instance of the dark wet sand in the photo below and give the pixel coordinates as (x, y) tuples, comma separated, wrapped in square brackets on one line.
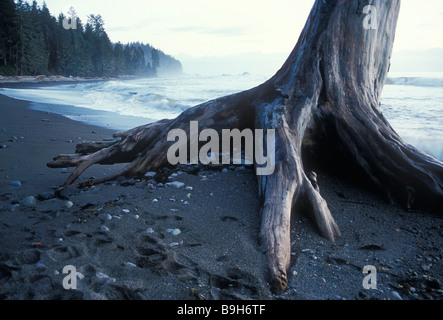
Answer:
[(216, 254)]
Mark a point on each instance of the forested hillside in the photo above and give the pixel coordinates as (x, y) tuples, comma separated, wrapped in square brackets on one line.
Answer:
[(33, 42)]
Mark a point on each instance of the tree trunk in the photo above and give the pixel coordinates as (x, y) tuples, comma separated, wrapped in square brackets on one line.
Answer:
[(324, 101)]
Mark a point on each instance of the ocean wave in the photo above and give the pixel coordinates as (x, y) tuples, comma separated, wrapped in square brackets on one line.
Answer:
[(415, 81), (414, 112)]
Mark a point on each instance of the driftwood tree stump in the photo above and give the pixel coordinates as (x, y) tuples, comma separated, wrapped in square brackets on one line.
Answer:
[(325, 102)]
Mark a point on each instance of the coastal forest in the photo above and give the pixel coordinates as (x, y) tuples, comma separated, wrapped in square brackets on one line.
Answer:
[(33, 42)]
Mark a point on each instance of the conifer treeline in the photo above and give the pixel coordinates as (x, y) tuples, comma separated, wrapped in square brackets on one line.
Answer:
[(33, 42)]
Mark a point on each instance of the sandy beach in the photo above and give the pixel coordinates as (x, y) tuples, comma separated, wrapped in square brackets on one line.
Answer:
[(141, 239)]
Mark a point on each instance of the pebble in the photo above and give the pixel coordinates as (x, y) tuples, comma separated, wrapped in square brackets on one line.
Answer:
[(68, 192), (108, 217), (189, 195), (69, 204), (46, 196), (130, 264), (104, 277), (40, 266), (395, 295), (64, 170), (150, 174), (3, 146), (15, 183), (426, 267), (174, 232), (176, 184), (155, 200), (28, 201), (126, 210), (188, 188), (128, 183), (225, 170), (104, 229), (150, 231), (175, 244)]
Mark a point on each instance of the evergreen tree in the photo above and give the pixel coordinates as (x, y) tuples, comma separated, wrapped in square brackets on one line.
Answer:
[(48, 25), (8, 37), (32, 53), (155, 61), (119, 60), (102, 54)]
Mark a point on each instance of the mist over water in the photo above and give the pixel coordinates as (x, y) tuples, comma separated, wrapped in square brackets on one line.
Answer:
[(412, 103)]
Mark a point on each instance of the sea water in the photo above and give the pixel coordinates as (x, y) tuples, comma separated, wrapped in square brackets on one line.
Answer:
[(412, 103)]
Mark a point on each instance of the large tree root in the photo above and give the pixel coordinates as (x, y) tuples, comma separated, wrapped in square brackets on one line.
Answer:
[(323, 101)]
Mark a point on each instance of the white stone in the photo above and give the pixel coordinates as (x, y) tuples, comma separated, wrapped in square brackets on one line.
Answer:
[(15, 183), (174, 232), (131, 265), (28, 201), (176, 184), (69, 204), (150, 174), (104, 229)]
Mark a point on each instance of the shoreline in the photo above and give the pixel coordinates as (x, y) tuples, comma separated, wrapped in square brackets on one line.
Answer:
[(122, 236), (30, 81), (34, 137), (93, 117)]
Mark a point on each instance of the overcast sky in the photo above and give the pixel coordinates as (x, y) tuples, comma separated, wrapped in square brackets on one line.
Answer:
[(233, 28)]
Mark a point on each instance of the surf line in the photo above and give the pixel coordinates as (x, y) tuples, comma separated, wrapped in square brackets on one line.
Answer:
[(263, 156)]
